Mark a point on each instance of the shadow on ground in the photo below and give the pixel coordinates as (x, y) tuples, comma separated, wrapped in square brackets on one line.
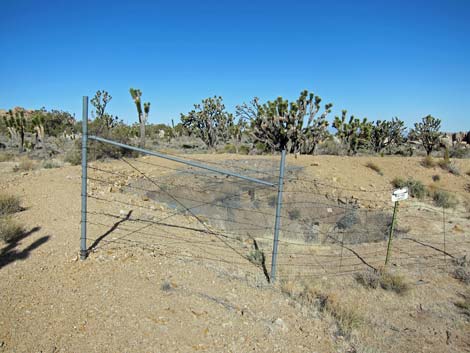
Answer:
[(10, 253)]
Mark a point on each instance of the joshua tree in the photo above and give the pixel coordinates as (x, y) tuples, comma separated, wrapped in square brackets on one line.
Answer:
[(38, 122), (209, 121), (280, 124), (143, 115), (428, 133), (100, 101), (16, 125), (354, 133), (386, 134)]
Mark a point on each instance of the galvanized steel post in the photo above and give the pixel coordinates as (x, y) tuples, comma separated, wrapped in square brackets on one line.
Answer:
[(278, 216), (83, 249)]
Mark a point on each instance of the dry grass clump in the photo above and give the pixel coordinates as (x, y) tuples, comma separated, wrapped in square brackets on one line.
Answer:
[(9, 229), (9, 204), (346, 316), (462, 270), (256, 257), (444, 199), (374, 167), (383, 279), (447, 165), (464, 304), (24, 165), (5, 157), (428, 162)]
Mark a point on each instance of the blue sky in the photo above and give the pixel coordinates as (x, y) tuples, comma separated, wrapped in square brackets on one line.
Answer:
[(377, 59)]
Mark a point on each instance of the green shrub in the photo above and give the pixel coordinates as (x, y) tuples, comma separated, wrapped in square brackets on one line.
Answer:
[(9, 204), (261, 147), (9, 229), (50, 165), (415, 187), (374, 167), (73, 156), (444, 199), (244, 149), (229, 148)]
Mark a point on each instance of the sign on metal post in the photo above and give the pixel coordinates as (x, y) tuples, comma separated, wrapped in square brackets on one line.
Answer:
[(400, 195), (397, 196)]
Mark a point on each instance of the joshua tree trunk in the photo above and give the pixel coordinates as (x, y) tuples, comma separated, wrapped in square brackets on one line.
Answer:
[(142, 134)]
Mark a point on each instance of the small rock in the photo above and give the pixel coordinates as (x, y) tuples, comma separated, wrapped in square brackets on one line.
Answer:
[(145, 198), (280, 324)]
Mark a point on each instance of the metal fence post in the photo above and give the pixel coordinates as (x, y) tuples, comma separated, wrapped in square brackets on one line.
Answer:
[(278, 216), (83, 249), (390, 235)]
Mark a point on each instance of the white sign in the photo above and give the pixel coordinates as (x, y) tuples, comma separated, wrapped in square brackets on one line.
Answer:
[(400, 195)]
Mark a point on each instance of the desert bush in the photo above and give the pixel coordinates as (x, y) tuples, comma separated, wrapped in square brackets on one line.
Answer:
[(462, 270), (5, 157), (436, 178), (346, 317), (244, 149), (374, 167), (464, 304), (9, 229), (415, 187), (229, 148), (9, 204), (428, 162), (459, 153), (462, 274), (261, 147), (50, 165), (294, 214), (256, 257), (166, 286), (332, 147), (383, 279), (24, 165), (447, 165), (73, 156), (444, 199)]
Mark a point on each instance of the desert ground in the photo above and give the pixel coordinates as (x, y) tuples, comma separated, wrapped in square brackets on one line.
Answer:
[(176, 264)]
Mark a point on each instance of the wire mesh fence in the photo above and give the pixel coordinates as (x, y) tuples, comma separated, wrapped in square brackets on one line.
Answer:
[(326, 229), (187, 212)]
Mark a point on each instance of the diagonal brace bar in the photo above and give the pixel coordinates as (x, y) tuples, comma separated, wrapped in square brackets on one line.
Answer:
[(180, 160)]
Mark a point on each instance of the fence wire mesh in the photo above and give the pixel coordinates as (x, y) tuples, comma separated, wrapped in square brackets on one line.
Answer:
[(326, 229)]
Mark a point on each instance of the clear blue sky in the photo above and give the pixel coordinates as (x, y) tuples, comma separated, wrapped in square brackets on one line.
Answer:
[(377, 59)]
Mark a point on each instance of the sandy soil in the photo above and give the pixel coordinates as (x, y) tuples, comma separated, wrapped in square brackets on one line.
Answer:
[(157, 280)]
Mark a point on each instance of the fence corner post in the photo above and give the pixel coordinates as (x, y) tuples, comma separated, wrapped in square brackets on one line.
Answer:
[(277, 223), (83, 248)]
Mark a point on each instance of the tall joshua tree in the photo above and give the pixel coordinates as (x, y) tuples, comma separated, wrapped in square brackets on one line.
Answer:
[(16, 125), (38, 121), (143, 114)]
